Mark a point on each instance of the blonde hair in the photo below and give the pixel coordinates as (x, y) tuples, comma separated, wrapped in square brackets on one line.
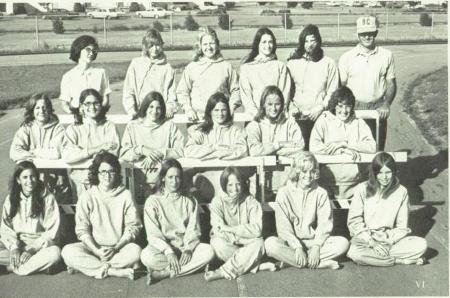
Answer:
[(305, 160), (204, 31)]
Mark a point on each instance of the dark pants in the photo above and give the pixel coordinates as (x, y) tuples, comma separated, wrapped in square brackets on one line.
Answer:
[(382, 129), (306, 127)]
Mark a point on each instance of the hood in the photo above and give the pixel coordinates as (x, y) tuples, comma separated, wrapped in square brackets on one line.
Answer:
[(97, 192)]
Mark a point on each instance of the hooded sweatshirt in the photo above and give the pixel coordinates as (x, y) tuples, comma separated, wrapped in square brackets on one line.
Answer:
[(261, 136), (202, 145), (45, 141), (107, 216), (203, 78), (244, 216), (37, 232), (165, 137), (145, 75), (256, 75), (356, 133)]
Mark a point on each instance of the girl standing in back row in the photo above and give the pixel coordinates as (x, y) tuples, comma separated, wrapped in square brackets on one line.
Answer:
[(150, 72), (207, 74), (259, 69)]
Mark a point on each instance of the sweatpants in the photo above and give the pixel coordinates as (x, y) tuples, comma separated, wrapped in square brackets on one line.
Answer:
[(154, 259), (238, 259), (409, 248), (78, 257), (279, 249), (40, 261)]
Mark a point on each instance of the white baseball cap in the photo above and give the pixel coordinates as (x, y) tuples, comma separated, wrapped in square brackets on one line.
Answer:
[(366, 24)]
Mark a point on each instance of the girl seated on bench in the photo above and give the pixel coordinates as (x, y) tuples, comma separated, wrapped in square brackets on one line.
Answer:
[(236, 233), (304, 221), (173, 229), (90, 134), (378, 219), (29, 224), (41, 136), (216, 138), (107, 223), (338, 131), (147, 140)]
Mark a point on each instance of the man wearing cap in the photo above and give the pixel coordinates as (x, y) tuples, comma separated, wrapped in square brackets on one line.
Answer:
[(369, 71)]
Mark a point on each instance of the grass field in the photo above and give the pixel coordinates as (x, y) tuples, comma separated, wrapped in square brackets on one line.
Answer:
[(426, 101), (17, 81), (19, 33)]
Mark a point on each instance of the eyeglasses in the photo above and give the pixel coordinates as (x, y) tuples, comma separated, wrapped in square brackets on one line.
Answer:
[(90, 50), (109, 173), (91, 104)]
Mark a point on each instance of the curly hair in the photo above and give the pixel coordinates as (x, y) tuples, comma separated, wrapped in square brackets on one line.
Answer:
[(305, 160), (317, 54), (31, 104), (79, 44), (37, 194), (255, 45), (112, 160), (148, 99), (214, 99), (342, 95), (101, 117), (205, 31), (269, 90)]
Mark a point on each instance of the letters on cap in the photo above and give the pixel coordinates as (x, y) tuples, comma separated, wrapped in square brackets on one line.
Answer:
[(366, 24)]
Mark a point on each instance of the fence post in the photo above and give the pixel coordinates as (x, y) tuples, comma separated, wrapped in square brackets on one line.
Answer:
[(432, 24), (285, 28), (338, 26), (37, 32), (229, 30), (387, 25), (171, 30), (105, 37)]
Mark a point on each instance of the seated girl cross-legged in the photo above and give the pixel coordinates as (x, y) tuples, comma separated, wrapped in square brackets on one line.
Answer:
[(304, 221), (236, 235), (107, 224), (378, 219), (173, 229)]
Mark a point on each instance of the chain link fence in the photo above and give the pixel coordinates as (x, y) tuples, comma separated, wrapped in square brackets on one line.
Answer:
[(22, 34)]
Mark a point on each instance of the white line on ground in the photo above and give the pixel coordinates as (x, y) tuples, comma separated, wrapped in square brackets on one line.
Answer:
[(242, 288)]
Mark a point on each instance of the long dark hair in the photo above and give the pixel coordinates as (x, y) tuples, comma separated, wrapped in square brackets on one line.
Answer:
[(216, 98), (165, 166), (269, 90), (101, 117), (112, 160), (37, 194), (79, 44), (317, 54), (379, 161), (31, 104), (255, 45), (148, 99), (343, 95)]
